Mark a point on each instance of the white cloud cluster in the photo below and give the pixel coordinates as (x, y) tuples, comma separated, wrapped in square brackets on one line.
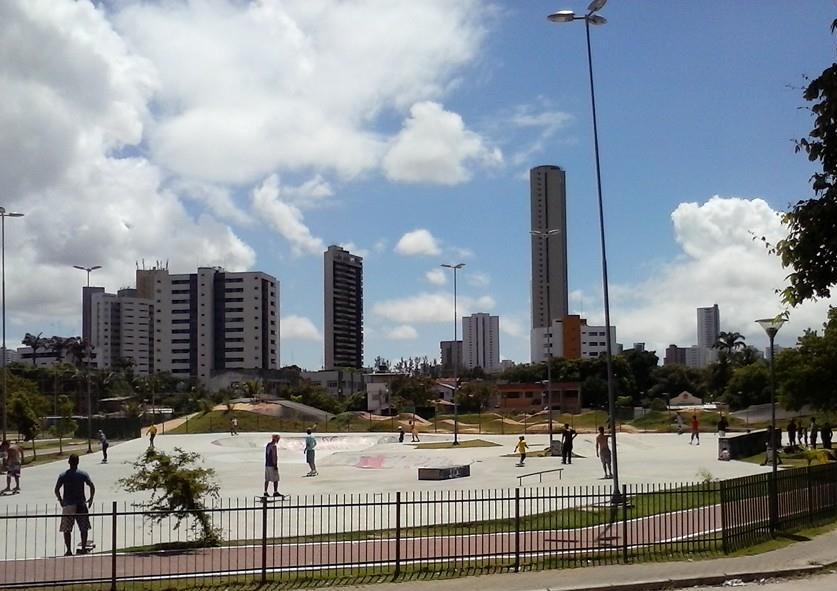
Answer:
[(435, 147), (419, 242), (426, 308), (299, 328), (723, 262), (403, 332), (284, 218), (436, 277)]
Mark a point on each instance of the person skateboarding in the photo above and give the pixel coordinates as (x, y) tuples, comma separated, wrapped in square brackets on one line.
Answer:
[(74, 505), (152, 433), (400, 434), (521, 448), (105, 445), (603, 452), (414, 438), (271, 466), (310, 444), (695, 431), (567, 436), (234, 426)]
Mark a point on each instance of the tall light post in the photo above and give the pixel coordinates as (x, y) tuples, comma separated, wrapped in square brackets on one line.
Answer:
[(455, 267), (3, 215), (545, 235), (591, 18), (771, 326), (87, 365)]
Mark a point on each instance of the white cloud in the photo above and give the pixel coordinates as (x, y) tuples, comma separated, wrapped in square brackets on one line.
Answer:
[(477, 279), (404, 332), (284, 218), (216, 198), (251, 88), (435, 147), (310, 193), (419, 242), (426, 308), (513, 328), (298, 328), (436, 277), (720, 263), (355, 249)]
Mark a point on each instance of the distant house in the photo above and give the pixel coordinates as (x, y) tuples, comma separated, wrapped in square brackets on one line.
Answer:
[(685, 398), (533, 397)]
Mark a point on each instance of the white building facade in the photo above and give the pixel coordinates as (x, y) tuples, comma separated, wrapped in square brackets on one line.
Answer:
[(481, 342)]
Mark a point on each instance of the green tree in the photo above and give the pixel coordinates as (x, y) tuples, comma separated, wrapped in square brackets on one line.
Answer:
[(749, 384), (807, 375), (37, 342), (412, 392), (670, 380), (179, 488), (729, 342), (642, 365), (475, 395), (65, 425), (26, 411), (809, 250)]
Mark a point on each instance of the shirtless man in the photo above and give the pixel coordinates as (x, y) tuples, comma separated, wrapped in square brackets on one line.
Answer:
[(14, 460), (603, 452)]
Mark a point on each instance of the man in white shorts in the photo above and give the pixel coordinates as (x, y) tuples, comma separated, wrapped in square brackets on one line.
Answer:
[(271, 465), (74, 504)]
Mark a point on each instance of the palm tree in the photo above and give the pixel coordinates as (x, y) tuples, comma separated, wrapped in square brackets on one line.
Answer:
[(729, 342), (37, 342)]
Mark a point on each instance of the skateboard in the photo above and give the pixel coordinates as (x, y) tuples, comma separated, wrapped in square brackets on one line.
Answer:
[(14, 491), (310, 474), (519, 465), (85, 549), (269, 499)]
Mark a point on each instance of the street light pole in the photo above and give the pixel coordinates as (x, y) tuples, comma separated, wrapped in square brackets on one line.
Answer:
[(455, 267), (87, 364), (771, 326), (591, 18), (3, 215), (545, 235)]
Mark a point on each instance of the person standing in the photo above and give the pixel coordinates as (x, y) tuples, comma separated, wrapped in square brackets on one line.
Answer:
[(105, 445), (521, 448), (603, 452), (14, 461), (400, 434), (152, 433), (74, 504), (815, 432), (826, 435), (802, 434), (723, 425), (234, 426), (271, 465), (792, 433), (567, 436), (414, 438), (695, 430), (310, 444), (679, 420)]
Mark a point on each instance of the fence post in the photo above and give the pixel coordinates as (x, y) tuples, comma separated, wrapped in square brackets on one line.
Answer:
[(397, 535), (517, 530), (264, 539), (810, 495), (113, 547), (724, 534), (625, 524)]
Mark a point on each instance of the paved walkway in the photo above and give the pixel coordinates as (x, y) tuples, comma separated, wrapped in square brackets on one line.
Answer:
[(792, 560)]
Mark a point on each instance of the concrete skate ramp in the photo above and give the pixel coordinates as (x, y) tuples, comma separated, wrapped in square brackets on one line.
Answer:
[(296, 443)]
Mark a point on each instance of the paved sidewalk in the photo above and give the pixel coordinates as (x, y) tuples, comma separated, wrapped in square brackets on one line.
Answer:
[(798, 558)]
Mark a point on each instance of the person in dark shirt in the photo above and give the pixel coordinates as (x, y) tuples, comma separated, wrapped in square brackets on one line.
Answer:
[(74, 504), (105, 445), (723, 425), (271, 466), (825, 435), (792, 433), (567, 437)]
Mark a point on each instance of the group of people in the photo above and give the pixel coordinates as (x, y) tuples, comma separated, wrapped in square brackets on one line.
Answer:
[(568, 435), (414, 437), (800, 434)]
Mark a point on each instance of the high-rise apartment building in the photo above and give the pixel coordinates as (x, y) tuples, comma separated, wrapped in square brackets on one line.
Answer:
[(343, 274), (451, 354), (212, 320), (121, 329), (570, 337), (708, 326), (548, 202), (481, 342)]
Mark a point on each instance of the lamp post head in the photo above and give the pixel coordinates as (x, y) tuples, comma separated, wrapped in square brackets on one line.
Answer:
[(595, 6), (562, 16), (454, 266), (9, 214), (771, 325), (596, 19)]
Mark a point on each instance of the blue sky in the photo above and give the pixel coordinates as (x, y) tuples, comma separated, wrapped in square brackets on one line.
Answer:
[(252, 134)]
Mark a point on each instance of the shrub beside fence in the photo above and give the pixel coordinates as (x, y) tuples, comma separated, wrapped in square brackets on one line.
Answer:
[(308, 540)]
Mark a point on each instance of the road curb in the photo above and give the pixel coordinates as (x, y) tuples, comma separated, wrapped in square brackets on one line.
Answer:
[(703, 580)]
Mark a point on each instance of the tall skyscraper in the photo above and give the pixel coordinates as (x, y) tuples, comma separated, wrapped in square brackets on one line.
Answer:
[(481, 342), (343, 309), (708, 326), (549, 251)]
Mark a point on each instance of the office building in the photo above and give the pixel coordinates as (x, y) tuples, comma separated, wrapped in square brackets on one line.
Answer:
[(121, 328), (451, 355), (481, 342), (343, 309), (212, 320), (570, 337)]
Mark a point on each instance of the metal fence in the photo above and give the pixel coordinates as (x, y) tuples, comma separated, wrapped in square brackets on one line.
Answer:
[(322, 539), (756, 507)]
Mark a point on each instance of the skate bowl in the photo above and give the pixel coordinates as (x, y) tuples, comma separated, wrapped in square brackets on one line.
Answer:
[(295, 443)]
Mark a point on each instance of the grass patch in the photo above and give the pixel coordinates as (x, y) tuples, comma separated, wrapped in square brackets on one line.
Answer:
[(462, 444), (218, 421), (784, 540)]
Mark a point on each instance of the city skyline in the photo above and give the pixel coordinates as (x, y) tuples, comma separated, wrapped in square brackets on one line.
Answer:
[(136, 154)]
